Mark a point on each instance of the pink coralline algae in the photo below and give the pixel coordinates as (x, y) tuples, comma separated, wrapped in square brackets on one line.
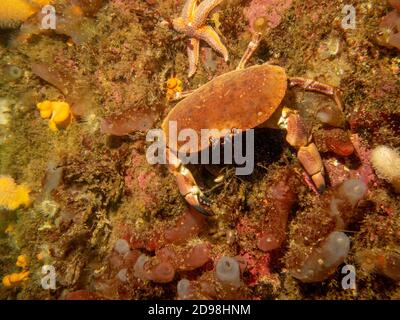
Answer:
[(141, 180), (256, 267), (270, 10)]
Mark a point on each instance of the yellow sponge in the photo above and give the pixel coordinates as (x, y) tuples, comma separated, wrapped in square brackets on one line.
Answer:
[(13, 12), (12, 196)]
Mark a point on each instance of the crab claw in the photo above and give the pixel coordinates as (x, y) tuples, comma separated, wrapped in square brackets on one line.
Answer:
[(199, 202), (297, 132), (311, 160), (189, 189), (187, 185)]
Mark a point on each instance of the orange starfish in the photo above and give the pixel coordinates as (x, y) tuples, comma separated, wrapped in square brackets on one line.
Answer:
[(192, 23)]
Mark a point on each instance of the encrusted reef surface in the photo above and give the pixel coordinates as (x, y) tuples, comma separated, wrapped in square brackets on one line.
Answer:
[(78, 196)]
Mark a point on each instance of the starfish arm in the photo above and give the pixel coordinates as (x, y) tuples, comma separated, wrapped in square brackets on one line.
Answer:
[(188, 10), (208, 34), (203, 10), (193, 55), (179, 25)]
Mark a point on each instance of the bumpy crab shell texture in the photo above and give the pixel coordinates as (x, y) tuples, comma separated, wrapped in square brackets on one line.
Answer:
[(240, 99)]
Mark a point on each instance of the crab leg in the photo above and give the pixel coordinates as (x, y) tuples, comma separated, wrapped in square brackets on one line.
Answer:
[(315, 86), (308, 155), (187, 185), (252, 46)]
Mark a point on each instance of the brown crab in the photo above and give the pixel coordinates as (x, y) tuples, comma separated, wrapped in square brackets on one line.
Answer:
[(243, 99)]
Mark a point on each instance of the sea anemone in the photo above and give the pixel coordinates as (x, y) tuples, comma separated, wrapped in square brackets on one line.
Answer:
[(91, 123), (386, 162)]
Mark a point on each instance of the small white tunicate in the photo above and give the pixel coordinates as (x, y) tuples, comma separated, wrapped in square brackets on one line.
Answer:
[(324, 259), (183, 288), (227, 271), (122, 275), (138, 268), (335, 247), (121, 246), (353, 190)]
